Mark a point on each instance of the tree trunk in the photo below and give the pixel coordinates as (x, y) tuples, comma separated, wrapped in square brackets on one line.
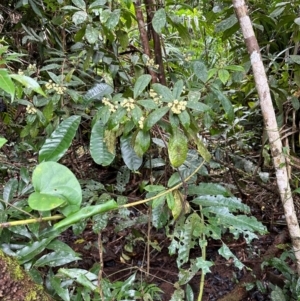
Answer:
[(16, 284), (271, 127)]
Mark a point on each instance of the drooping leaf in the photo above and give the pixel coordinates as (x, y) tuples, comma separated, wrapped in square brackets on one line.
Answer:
[(6, 83), (79, 17), (60, 140), (177, 89), (223, 75), (177, 148), (226, 23), (159, 20), (91, 34), (130, 157), (163, 91), (142, 143), (99, 150), (28, 82), (226, 104), (141, 83), (200, 71), (97, 92), (33, 249), (208, 189), (55, 259), (10, 189), (154, 117), (55, 183)]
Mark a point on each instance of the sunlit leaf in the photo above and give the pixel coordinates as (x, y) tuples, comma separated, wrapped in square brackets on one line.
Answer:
[(177, 148), (28, 82), (159, 20), (6, 83)]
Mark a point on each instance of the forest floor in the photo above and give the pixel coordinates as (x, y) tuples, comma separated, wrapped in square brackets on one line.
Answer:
[(224, 282)]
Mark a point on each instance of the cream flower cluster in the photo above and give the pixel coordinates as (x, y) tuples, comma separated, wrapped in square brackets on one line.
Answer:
[(112, 108), (155, 97), (150, 63), (30, 109), (177, 106), (56, 87), (141, 122), (128, 104)]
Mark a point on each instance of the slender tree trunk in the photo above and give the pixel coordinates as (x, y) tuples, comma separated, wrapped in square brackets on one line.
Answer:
[(144, 36), (271, 127)]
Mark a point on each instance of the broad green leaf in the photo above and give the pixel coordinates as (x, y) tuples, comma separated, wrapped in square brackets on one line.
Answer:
[(79, 3), (177, 89), (160, 215), (113, 19), (85, 213), (33, 249), (6, 83), (200, 71), (99, 149), (142, 143), (58, 182), (28, 82), (55, 259), (295, 58), (154, 117), (226, 23), (130, 157), (223, 75), (91, 34), (163, 91), (97, 92), (208, 189), (226, 104), (63, 293), (10, 189), (232, 203), (177, 148), (185, 119), (82, 276), (45, 202), (79, 17), (159, 20), (2, 141), (235, 68), (141, 83), (60, 140), (189, 293)]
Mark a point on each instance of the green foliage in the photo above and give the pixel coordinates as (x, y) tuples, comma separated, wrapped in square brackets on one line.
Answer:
[(90, 84)]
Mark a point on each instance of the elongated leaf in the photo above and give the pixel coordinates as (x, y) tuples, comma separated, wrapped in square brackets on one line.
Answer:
[(232, 203), (32, 250), (62, 292), (226, 104), (163, 91), (177, 90), (10, 189), (99, 150), (200, 71), (131, 159), (177, 148), (91, 34), (6, 83), (97, 92), (2, 141), (141, 83), (28, 82), (208, 189), (60, 140), (59, 183), (142, 143), (159, 20), (85, 213), (79, 3), (154, 117), (55, 259)]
